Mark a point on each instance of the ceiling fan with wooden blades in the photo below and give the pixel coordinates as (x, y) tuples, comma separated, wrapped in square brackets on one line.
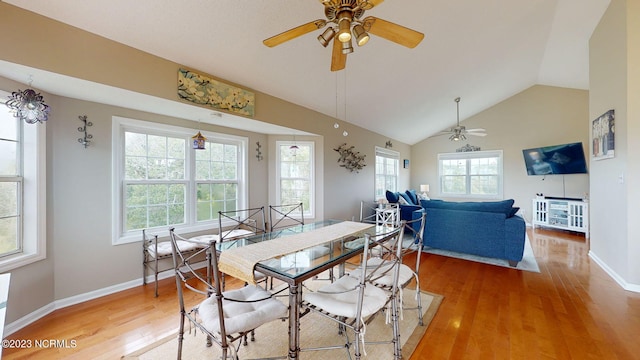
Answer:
[(459, 132), (346, 22)]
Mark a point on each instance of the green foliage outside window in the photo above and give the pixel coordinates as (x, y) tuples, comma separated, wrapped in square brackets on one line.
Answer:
[(295, 175), (10, 183)]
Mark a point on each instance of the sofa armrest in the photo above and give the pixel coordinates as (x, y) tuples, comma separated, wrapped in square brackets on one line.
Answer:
[(406, 211), (514, 236)]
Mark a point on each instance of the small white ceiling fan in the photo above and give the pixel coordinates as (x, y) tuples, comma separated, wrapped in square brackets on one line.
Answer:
[(460, 132)]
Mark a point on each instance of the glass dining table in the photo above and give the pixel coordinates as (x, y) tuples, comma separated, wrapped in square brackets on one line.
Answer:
[(336, 242)]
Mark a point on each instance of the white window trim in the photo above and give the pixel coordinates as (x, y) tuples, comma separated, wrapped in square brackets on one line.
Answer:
[(34, 211), (118, 127), (307, 214), (473, 155), (391, 154)]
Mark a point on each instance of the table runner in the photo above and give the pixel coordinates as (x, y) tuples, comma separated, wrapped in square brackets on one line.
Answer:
[(240, 262)]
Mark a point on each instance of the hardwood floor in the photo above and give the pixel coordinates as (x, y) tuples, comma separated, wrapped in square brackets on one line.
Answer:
[(571, 310)]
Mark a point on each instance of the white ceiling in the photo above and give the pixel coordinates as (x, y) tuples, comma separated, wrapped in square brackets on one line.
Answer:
[(482, 51)]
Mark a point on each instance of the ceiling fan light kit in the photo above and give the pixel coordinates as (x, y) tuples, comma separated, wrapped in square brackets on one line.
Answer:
[(326, 36), (347, 48), (361, 35), (348, 24)]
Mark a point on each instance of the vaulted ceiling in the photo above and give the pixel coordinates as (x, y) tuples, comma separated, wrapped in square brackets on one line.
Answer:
[(482, 51)]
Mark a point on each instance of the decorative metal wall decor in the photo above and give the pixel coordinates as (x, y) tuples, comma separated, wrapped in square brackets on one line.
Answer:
[(259, 151), (203, 90), (29, 106), (350, 159), (388, 144), (86, 139), (468, 148)]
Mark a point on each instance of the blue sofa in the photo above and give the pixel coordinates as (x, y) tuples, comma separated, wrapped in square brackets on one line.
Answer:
[(489, 229)]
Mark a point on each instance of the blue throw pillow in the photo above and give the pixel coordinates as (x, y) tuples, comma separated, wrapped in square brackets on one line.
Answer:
[(392, 197), (406, 198), (412, 195), (513, 211)]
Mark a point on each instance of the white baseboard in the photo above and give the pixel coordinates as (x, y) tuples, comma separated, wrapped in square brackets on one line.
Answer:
[(617, 278), (80, 298)]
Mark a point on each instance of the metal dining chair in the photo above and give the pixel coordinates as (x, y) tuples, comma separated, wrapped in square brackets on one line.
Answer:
[(235, 225), (413, 233), (353, 302), (156, 255), (225, 317), (285, 216)]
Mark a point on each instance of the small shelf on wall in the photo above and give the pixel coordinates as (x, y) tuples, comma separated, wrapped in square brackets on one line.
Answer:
[(572, 215)]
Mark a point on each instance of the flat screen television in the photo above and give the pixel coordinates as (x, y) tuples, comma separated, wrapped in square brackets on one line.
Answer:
[(555, 160)]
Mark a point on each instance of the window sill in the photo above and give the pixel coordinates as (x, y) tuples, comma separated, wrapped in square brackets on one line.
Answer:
[(19, 260), (163, 232)]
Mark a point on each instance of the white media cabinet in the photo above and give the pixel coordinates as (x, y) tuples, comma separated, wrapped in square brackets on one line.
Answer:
[(564, 214)]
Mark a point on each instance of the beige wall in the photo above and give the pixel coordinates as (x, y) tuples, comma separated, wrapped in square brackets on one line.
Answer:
[(538, 116), (615, 84)]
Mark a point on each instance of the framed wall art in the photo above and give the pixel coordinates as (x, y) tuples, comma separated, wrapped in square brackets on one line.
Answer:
[(603, 135), (204, 90)]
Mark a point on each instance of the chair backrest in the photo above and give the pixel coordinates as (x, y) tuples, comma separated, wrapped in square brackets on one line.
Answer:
[(391, 251), (236, 223), (187, 276), (284, 216), (378, 269), (415, 227), (184, 262), (148, 240), (368, 212)]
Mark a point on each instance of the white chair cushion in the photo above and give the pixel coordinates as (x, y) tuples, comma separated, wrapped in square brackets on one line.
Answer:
[(235, 233), (359, 242), (205, 240), (238, 316), (387, 276), (318, 251), (344, 303), (226, 235), (164, 247)]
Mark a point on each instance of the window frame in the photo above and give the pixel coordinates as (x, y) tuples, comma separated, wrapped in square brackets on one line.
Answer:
[(311, 213), (33, 205), (467, 156), (120, 125), (387, 154)]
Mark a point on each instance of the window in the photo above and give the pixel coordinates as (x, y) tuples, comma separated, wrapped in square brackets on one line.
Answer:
[(11, 181), (387, 168), (295, 174), (471, 174), (216, 180), (22, 190), (165, 183)]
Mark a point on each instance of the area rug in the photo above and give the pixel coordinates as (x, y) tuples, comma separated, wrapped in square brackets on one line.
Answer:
[(528, 262), (272, 338)]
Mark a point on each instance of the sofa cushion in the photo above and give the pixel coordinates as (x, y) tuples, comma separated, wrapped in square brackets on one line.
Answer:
[(513, 211), (392, 197), (484, 206), (413, 196)]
